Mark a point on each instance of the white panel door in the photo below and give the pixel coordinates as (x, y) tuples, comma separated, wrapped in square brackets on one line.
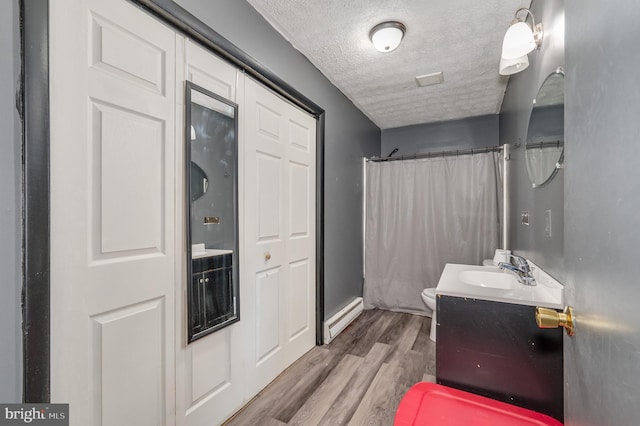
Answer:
[(209, 370), (279, 150), (112, 214)]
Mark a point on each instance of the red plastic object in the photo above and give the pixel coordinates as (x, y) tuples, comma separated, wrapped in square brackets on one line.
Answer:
[(429, 404)]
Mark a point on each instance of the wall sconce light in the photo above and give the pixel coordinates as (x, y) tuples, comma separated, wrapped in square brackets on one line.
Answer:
[(386, 36), (519, 40), (513, 66)]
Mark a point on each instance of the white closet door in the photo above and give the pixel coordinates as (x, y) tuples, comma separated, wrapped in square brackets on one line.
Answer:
[(112, 214), (280, 236), (209, 370)]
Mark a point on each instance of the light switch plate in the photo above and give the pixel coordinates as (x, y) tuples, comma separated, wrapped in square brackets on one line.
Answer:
[(525, 218), (547, 223)]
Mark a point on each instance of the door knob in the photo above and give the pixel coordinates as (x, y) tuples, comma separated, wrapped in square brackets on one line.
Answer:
[(267, 256), (550, 318)]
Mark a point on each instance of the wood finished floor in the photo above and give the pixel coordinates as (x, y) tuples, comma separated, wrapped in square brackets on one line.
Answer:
[(358, 379)]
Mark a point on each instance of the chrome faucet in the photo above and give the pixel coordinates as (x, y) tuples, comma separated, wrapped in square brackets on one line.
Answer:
[(521, 267)]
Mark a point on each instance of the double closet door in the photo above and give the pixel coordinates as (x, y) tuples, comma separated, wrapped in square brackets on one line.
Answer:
[(118, 283), (226, 369)]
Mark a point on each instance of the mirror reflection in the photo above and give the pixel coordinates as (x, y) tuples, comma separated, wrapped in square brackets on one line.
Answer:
[(211, 136), (199, 182), (545, 135)]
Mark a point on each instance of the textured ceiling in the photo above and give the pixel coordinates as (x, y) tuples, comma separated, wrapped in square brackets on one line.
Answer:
[(462, 38)]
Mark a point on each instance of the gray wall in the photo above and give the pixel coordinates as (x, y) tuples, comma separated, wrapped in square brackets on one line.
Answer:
[(10, 212), (349, 137), (530, 241), (472, 132), (602, 202)]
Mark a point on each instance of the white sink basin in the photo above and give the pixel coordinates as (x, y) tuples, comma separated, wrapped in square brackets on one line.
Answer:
[(485, 283), (198, 251), (499, 280)]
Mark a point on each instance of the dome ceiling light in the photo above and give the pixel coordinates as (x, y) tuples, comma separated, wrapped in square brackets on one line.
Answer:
[(387, 36)]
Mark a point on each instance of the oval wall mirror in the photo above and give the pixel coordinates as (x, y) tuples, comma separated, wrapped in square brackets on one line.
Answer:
[(199, 181), (545, 135)]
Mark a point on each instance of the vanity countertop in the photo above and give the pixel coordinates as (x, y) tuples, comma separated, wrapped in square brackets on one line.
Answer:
[(199, 251), (210, 253), (501, 286)]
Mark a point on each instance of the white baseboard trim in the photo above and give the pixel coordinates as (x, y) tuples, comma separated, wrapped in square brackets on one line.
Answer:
[(338, 322)]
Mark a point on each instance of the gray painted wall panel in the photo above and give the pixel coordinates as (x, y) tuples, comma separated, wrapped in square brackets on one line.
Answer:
[(472, 132), (602, 197), (530, 241), (10, 212), (349, 136)]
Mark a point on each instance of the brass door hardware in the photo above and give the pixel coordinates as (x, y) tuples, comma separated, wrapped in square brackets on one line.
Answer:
[(211, 220), (267, 256), (550, 318)]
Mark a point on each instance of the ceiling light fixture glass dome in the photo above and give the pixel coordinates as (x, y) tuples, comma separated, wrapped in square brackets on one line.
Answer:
[(387, 36)]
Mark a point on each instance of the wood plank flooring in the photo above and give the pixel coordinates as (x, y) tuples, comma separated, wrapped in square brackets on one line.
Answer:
[(358, 379)]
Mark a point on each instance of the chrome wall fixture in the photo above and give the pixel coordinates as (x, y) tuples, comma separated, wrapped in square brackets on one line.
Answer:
[(519, 40)]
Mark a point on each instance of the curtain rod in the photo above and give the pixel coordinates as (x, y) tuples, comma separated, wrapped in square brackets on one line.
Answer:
[(437, 154)]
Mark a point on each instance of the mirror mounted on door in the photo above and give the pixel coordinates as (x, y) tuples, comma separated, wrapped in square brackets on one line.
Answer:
[(211, 135)]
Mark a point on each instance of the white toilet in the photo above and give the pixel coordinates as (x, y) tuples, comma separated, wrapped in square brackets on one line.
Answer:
[(429, 298)]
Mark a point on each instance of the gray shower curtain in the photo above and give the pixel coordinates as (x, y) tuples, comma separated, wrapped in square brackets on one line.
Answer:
[(422, 214)]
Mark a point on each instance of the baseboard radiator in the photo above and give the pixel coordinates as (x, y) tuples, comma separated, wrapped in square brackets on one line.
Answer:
[(338, 322)]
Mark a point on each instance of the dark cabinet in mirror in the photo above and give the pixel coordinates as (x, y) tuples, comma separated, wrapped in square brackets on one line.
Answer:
[(212, 211), (545, 135)]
